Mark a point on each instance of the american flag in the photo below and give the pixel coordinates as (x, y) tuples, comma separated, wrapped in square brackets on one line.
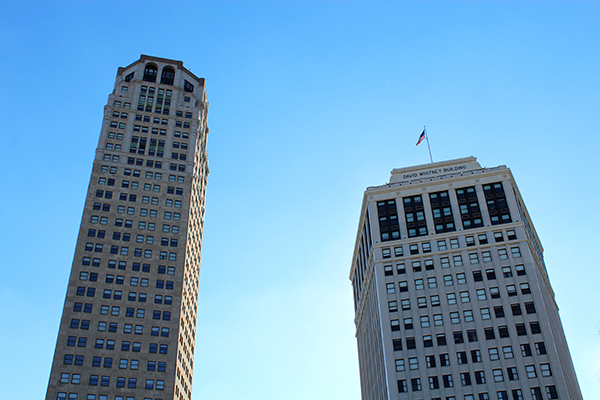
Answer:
[(421, 137)]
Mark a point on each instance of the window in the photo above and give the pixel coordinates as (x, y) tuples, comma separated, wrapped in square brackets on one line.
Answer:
[(502, 254), (530, 371), (489, 333), (481, 295), (507, 272), (405, 304), (448, 280), (403, 285), (424, 321), (448, 383), (451, 297), (390, 288), (540, 348), (457, 261), (503, 331), (399, 365), (416, 384), (422, 302), (508, 352), (438, 320), (402, 387), (458, 337), (535, 327), (493, 353), (444, 359), (474, 258), (551, 392), (387, 269), (392, 306), (499, 311), (485, 313), (413, 363), (511, 290), (445, 262), (468, 315), (435, 300), (431, 282), (512, 373), (536, 393), (464, 297), (472, 335), (516, 252), (520, 269), (465, 378), (525, 288), (545, 369), (479, 377), (455, 317), (495, 292), (498, 376), (410, 343), (433, 381), (397, 344), (395, 324)]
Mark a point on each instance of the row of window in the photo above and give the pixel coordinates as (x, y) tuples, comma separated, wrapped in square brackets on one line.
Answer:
[(468, 314), (442, 245), (441, 209), (112, 264), (417, 266), (137, 252), (140, 161), (148, 239), (113, 327), (490, 334), (74, 396), (143, 282), (126, 345), (105, 381), (465, 378), (461, 278), (475, 355)]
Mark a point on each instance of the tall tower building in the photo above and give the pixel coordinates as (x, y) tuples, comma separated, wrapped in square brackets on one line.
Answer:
[(452, 298), (129, 320)]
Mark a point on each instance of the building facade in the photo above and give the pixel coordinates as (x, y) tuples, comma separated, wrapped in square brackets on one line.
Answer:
[(452, 299), (129, 321)]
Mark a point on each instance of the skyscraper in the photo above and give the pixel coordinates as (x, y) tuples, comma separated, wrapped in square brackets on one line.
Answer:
[(452, 298), (129, 320)]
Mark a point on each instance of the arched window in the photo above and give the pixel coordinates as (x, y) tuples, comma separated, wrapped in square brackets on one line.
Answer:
[(150, 73), (168, 75)]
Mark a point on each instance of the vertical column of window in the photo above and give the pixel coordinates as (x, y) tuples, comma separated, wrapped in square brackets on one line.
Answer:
[(134, 144), (415, 216), (160, 96), (167, 102), (388, 220), (152, 147), (442, 212), (496, 203), (469, 207), (142, 98), (149, 99)]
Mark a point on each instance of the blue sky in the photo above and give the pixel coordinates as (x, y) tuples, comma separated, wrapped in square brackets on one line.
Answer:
[(310, 103)]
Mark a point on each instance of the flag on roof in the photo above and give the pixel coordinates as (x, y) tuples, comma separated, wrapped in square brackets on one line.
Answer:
[(421, 137)]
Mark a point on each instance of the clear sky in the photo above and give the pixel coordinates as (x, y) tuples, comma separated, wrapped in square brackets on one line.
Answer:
[(310, 103)]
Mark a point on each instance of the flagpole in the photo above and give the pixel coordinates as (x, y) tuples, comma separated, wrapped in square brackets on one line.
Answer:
[(429, 148)]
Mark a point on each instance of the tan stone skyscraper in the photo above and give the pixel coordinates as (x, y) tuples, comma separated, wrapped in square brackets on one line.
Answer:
[(129, 321), (452, 297)]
